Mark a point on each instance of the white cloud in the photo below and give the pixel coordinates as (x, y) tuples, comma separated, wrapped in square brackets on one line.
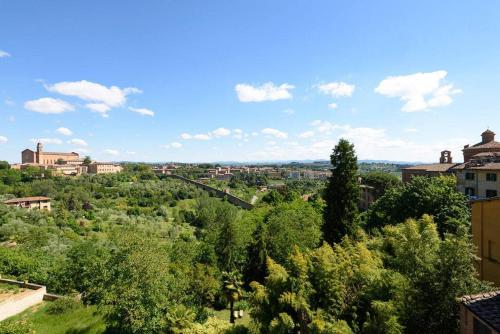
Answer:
[(221, 132), (289, 111), (90, 91), (267, 92), (64, 131), (410, 130), (202, 136), (100, 108), (336, 89), (333, 106), (307, 134), (3, 139), (419, 91), (186, 136), (173, 145), (54, 141), (324, 126), (4, 54), (77, 142), (275, 133), (48, 105), (112, 152), (142, 111), (238, 134)]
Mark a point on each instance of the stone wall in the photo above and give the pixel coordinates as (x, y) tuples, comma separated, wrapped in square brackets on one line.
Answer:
[(19, 302), (216, 192)]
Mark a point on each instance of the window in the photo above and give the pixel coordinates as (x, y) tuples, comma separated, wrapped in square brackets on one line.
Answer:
[(491, 177), (480, 328), (469, 176), (491, 193), (470, 192)]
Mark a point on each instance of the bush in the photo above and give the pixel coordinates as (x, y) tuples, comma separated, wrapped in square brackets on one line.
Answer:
[(62, 305), (16, 327)]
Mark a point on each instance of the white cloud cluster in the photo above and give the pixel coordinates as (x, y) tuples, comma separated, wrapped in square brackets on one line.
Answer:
[(306, 134), (77, 142), (4, 54), (111, 152), (3, 139), (48, 105), (53, 141), (419, 91), (217, 133), (64, 131), (221, 132), (173, 145), (142, 111), (274, 133), (266, 92), (333, 106), (337, 89), (101, 98)]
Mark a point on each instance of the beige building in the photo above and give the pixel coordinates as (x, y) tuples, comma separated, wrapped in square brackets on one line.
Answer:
[(37, 202), (103, 168), (480, 314), (46, 158)]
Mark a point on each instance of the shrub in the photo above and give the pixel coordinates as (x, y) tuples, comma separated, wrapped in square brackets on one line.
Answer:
[(16, 327), (62, 305)]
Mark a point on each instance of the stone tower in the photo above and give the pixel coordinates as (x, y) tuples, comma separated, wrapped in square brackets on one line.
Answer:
[(488, 136), (446, 158), (39, 151)]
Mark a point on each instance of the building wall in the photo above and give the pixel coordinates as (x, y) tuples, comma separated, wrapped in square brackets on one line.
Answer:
[(480, 184), (96, 168), (467, 321), (28, 157), (486, 237), (51, 159)]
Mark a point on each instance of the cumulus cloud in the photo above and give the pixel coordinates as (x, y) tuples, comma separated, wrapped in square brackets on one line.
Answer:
[(4, 54), (48, 105), (173, 145), (64, 131), (275, 133), (99, 108), (306, 134), (336, 89), (186, 136), (90, 91), (3, 139), (221, 132), (419, 91), (54, 141), (333, 106), (112, 152), (142, 111), (201, 136), (77, 142), (267, 92)]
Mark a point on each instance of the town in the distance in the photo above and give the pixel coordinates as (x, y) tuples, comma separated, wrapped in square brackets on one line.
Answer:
[(250, 186)]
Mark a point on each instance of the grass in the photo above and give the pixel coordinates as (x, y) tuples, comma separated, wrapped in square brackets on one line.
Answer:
[(224, 315), (82, 320)]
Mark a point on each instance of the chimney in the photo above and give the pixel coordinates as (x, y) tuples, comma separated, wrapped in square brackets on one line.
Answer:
[(488, 136), (446, 158)]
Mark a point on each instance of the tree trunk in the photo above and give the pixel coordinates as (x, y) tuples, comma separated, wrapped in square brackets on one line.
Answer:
[(231, 307)]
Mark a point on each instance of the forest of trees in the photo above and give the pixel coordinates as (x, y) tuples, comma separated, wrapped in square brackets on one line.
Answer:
[(159, 256)]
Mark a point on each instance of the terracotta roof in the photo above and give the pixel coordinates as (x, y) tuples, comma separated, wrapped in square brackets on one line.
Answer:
[(486, 166), (486, 306), (27, 199), (481, 145), (432, 167), (486, 154), (59, 153)]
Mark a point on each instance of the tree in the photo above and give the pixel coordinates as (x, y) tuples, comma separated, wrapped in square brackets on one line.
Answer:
[(381, 182), (342, 194), (4, 165), (87, 160), (232, 290), (436, 196), (60, 161)]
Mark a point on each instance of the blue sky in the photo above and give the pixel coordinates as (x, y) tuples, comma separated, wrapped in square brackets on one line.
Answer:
[(247, 80)]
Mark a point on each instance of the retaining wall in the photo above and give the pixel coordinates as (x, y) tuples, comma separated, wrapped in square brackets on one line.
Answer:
[(19, 302), (217, 192)]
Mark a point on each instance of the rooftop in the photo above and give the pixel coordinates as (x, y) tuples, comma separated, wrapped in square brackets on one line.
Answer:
[(437, 167), (486, 306), (491, 144), (485, 166), (27, 199)]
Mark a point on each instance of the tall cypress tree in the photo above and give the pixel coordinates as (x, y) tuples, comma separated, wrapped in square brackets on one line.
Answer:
[(342, 193)]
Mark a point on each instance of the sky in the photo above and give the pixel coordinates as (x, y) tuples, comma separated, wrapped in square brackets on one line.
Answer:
[(234, 80)]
